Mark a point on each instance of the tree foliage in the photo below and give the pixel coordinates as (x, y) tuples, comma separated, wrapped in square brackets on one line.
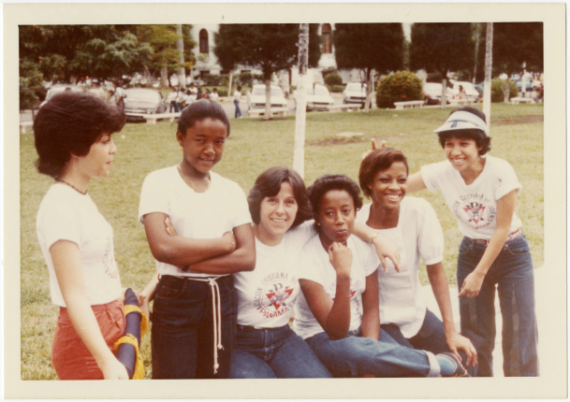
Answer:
[(162, 39), (441, 47), (100, 51), (31, 84), (369, 46), (268, 47), (515, 43), (402, 86)]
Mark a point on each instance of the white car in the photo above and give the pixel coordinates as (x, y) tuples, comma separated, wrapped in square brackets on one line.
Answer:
[(468, 87), (432, 93), (318, 97), (59, 88), (355, 92), (256, 98)]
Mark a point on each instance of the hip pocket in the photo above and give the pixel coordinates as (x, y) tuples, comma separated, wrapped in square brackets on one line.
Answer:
[(517, 248)]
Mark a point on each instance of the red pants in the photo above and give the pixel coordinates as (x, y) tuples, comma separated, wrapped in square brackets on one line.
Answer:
[(70, 357)]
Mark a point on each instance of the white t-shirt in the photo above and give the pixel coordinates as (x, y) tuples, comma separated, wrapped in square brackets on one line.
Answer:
[(237, 95), (474, 205), (194, 215), (214, 96), (65, 214), (314, 265), (119, 93), (267, 294), (417, 236)]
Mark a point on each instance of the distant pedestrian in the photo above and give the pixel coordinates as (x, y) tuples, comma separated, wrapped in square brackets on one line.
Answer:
[(120, 95), (180, 98), (214, 96), (172, 100), (206, 94), (237, 97)]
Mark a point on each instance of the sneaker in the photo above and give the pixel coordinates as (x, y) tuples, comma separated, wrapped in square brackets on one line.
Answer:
[(460, 371)]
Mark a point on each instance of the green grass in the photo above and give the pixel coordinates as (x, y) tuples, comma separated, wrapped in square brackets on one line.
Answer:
[(253, 146)]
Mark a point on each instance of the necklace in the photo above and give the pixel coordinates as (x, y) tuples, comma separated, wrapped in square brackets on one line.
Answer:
[(72, 186), (191, 181)]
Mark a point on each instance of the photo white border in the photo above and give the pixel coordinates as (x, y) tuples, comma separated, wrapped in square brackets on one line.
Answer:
[(553, 363)]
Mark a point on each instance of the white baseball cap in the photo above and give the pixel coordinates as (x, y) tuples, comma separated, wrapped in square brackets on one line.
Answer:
[(463, 120)]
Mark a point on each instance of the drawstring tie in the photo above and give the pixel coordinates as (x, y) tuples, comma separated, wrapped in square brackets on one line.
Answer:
[(216, 310)]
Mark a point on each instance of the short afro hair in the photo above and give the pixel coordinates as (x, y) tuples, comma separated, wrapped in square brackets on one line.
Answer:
[(379, 159), (268, 184), (68, 124), (201, 110), (330, 182)]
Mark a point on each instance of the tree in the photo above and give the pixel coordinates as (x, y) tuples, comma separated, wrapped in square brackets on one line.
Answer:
[(31, 88), (368, 47), (268, 47), (63, 52), (441, 47), (166, 57), (517, 46)]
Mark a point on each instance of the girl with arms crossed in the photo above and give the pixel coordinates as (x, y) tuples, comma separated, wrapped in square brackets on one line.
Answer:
[(194, 312)]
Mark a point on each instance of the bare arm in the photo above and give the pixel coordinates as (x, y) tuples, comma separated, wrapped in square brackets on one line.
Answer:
[(440, 288), (178, 250), (67, 266), (384, 248), (333, 316), (370, 327), (505, 210), (241, 259), (416, 183)]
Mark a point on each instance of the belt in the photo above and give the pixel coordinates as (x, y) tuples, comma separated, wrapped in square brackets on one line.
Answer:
[(252, 328), (510, 237), (216, 310)]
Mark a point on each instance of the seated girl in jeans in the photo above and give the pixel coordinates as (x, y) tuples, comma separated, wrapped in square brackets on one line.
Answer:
[(411, 224), (338, 313), (266, 347)]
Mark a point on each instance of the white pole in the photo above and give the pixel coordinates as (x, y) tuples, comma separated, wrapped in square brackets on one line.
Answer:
[(301, 100), (180, 47), (488, 71)]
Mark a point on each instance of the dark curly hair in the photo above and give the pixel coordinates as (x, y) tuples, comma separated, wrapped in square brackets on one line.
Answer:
[(379, 159), (481, 139), (268, 184), (201, 110), (330, 182), (68, 124)]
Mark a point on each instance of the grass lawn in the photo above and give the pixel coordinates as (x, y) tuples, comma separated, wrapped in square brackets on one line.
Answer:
[(253, 146)]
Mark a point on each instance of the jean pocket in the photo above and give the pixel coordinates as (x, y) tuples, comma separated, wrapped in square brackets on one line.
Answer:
[(168, 292), (464, 247), (517, 248)]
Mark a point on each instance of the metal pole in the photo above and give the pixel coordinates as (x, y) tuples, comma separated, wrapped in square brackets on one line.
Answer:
[(301, 100), (488, 71)]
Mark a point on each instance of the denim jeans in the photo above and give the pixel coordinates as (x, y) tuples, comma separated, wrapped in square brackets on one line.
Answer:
[(173, 105), (430, 337), (512, 273), (274, 353), (182, 335), (354, 356), (238, 110)]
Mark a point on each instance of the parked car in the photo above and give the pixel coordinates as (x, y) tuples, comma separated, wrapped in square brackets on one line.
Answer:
[(318, 97), (256, 98), (468, 87), (144, 101), (432, 93), (355, 92), (59, 88)]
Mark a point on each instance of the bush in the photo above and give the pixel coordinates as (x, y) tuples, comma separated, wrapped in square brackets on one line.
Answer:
[(497, 94), (333, 79), (247, 79), (335, 88), (398, 87), (216, 80)]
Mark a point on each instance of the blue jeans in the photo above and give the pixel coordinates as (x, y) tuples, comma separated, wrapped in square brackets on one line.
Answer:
[(238, 110), (274, 353), (512, 273), (173, 105), (182, 335), (430, 337), (355, 356)]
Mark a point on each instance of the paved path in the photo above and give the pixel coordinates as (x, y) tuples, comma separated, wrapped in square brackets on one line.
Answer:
[(541, 285)]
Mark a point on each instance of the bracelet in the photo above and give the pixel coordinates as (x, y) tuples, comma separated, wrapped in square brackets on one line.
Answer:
[(375, 235)]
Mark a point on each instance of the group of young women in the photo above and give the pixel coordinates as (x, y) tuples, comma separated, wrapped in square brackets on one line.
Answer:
[(233, 271)]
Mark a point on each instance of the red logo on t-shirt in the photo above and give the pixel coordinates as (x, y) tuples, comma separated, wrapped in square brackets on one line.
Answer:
[(278, 298)]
